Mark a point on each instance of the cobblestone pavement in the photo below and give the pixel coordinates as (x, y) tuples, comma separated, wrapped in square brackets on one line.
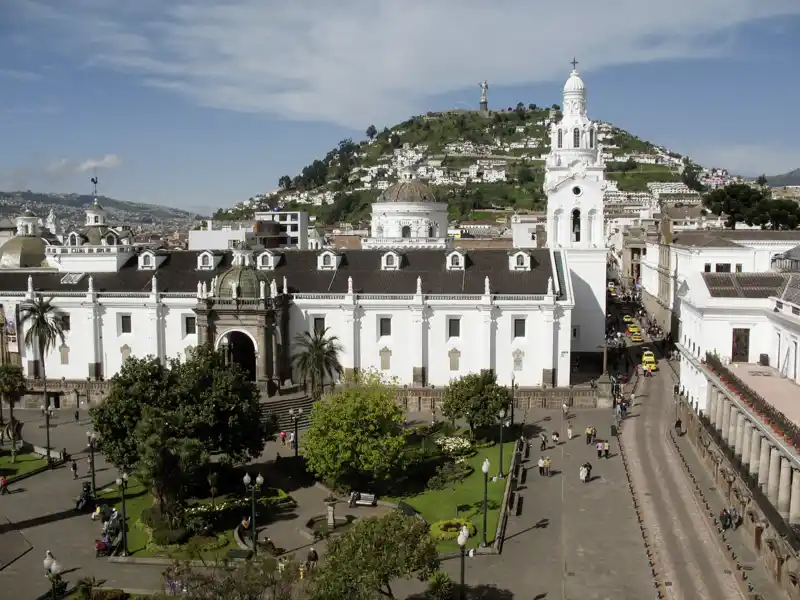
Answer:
[(688, 557)]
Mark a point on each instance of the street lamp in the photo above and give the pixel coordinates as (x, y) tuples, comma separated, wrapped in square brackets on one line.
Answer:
[(295, 414), (513, 394), (122, 482), (463, 536), (502, 415), (485, 469), (253, 488), (92, 438), (53, 569)]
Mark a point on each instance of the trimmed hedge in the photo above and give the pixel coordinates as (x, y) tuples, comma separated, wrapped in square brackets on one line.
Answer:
[(449, 529)]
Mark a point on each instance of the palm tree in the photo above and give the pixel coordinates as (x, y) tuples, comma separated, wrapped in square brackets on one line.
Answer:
[(12, 384), (45, 330), (317, 357)]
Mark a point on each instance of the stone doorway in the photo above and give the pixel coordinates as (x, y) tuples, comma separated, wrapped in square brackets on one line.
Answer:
[(239, 348), (740, 350)]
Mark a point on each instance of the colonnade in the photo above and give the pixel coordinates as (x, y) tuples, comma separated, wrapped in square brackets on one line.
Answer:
[(778, 475)]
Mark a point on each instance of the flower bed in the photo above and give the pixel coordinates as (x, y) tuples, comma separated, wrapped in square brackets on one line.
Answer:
[(450, 528), (219, 509), (455, 446)]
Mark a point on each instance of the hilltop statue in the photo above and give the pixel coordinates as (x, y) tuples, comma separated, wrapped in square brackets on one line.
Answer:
[(484, 88)]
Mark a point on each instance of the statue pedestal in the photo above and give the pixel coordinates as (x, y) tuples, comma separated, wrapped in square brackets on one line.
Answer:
[(484, 108), (604, 396)]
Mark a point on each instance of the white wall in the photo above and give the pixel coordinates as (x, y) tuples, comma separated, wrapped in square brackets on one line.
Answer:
[(588, 273)]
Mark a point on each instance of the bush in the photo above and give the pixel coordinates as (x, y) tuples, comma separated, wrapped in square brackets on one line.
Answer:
[(449, 529), (440, 586), (152, 517), (110, 595), (167, 537), (481, 444), (453, 472), (198, 524)]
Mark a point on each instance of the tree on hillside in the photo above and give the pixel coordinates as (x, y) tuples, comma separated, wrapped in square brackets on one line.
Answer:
[(317, 358), (690, 177), (477, 398), (209, 400), (364, 562), (45, 330), (532, 106), (356, 435), (12, 384), (739, 201), (394, 141), (761, 181), (372, 132), (285, 182)]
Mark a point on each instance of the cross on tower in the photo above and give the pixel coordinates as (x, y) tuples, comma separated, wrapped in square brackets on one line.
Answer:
[(574, 63)]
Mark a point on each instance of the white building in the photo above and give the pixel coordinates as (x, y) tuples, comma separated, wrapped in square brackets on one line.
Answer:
[(291, 227), (408, 304)]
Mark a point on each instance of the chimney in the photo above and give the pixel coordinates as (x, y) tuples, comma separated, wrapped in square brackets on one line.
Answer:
[(541, 236)]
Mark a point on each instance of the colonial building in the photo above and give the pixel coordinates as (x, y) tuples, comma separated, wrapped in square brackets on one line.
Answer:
[(410, 303)]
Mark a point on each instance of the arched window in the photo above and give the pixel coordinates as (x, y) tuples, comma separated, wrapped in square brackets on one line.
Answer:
[(576, 225), (265, 260), (560, 139), (455, 261), (73, 240), (205, 261), (406, 232), (576, 138), (110, 241), (146, 260), (326, 260), (97, 219), (520, 260), (390, 260), (430, 231), (591, 138)]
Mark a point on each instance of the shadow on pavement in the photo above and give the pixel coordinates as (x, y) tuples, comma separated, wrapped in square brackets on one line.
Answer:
[(478, 592), (36, 522)]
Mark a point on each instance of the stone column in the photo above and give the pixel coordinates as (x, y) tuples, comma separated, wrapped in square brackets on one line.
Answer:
[(486, 343), (794, 503), (418, 377), (763, 464), (773, 485), (746, 442), (720, 409), (784, 488), (740, 421), (726, 419), (712, 406), (755, 452), (732, 421)]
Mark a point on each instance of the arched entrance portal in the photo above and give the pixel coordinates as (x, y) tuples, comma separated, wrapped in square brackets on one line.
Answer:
[(239, 348)]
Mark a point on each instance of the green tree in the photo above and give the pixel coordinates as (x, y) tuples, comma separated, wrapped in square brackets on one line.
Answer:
[(285, 182), (690, 176), (477, 398), (317, 358), (364, 562), (211, 401), (45, 330), (762, 181), (356, 435), (12, 384), (372, 132), (738, 201)]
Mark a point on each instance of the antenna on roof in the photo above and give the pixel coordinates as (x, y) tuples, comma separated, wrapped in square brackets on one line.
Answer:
[(94, 181)]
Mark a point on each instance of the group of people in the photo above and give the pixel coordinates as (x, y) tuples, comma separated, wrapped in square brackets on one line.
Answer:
[(730, 519), (586, 472), (287, 437), (545, 465)]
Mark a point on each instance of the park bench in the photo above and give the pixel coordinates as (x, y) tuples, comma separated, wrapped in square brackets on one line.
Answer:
[(363, 499)]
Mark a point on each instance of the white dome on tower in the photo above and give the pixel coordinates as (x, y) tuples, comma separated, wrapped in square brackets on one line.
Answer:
[(574, 83)]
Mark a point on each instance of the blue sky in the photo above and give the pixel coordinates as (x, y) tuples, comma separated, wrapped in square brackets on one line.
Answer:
[(198, 105)]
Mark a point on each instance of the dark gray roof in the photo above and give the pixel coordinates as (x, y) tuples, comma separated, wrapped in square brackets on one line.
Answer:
[(178, 273), (792, 291), (729, 238), (744, 285), (413, 191)]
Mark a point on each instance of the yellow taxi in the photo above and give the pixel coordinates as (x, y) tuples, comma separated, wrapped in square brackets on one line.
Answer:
[(633, 329), (627, 319), (649, 361), (636, 337)]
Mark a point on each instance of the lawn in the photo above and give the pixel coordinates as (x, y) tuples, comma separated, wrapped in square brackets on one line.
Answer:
[(465, 499), (26, 462)]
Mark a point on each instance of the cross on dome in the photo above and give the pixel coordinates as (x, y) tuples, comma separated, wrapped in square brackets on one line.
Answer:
[(574, 64)]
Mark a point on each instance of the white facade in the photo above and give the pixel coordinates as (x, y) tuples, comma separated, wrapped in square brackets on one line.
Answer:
[(575, 184)]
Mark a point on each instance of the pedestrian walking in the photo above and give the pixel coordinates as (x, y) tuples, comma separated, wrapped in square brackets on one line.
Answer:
[(565, 408), (74, 468), (547, 466), (734, 518), (541, 465), (89, 465), (77, 415), (555, 438), (599, 447), (41, 407), (588, 467), (582, 474), (291, 440), (569, 432), (312, 559), (4, 485), (588, 433), (49, 559), (283, 438), (543, 444), (606, 449)]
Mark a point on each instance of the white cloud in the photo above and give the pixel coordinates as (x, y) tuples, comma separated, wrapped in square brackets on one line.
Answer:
[(109, 161), (19, 75), (749, 159), (353, 62)]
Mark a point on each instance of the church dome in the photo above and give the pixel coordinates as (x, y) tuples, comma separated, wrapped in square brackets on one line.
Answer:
[(22, 252), (574, 83), (411, 191), (245, 280)]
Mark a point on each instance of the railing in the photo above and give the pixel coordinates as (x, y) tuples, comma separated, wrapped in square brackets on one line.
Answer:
[(784, 530), (788, 429)]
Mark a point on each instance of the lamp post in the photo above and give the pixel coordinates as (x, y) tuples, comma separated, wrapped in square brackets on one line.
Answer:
[(513, 394), (122, 482), (296, 413), (502, 415), (253, 488), (91, 436), (463, 536), (53, 569), (485, 469)]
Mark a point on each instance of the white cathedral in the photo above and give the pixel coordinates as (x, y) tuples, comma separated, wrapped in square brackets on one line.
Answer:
[(410, 303)]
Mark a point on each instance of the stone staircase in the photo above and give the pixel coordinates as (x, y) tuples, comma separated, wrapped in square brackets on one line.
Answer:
[(277, 407)]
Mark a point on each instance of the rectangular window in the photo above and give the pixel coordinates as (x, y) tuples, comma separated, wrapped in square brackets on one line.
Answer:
[(319, 325), (738, 267), (795, 311), (576, 333), (707, 267), (723, 268), (191, 325), (454, 327), (519, 328), (65, 323), (125, 323), (385, 326)]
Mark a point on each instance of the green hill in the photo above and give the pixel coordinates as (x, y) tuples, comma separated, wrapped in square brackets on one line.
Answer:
[(448, 144), (790, 178)]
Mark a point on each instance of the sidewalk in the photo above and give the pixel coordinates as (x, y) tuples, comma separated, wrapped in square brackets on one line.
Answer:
[(752, 566)]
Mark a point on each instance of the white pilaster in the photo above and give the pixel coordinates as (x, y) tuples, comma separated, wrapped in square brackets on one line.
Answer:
[(763, 464), (712, 406), (746, 441), (732, 420), (739, 445), (755, 453), (720, 411), (794, 503), (774, 475), (784, 488)]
